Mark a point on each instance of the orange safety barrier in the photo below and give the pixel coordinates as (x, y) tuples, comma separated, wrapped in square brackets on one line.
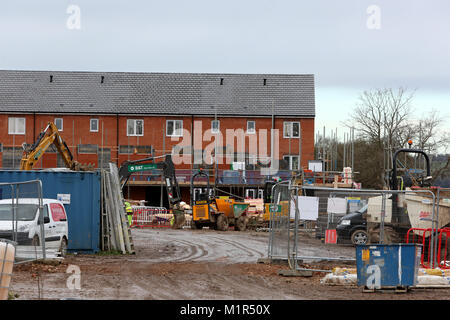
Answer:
[(150, 217), (423, 236)]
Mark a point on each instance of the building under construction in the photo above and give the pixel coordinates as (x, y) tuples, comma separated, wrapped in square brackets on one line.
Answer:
[(120, 116)]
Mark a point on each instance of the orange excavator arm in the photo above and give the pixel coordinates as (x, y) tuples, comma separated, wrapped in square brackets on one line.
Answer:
[(47, 137)]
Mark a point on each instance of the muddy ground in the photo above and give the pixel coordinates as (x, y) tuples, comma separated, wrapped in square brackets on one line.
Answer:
[(196, 264)]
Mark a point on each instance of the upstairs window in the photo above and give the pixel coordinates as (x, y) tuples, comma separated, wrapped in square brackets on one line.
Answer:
[(16, 125), (251, 128), (59, 124), (174, 128), (291, 129), (135, 127), (94, 125), (215, 126)]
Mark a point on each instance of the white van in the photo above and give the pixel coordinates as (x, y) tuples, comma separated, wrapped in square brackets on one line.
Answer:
[(28, 223)]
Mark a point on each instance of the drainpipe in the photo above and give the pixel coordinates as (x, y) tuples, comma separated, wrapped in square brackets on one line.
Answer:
[(117, 137)]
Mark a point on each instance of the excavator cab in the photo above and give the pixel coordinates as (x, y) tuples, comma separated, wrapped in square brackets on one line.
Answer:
[(168, 172)]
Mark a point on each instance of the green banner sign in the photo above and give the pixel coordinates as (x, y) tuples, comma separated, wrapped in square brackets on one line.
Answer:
[(141, 167), (275, 208)]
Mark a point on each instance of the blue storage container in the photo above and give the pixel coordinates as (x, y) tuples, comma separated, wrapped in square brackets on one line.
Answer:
[(83, 212), (383, 265)]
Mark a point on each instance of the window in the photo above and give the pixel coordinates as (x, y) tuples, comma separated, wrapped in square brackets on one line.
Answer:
[(11, 157), (45, 213), (174, 128), (58, 213), (251, 127), (16, 125), (250, 193), (291, 130), (129, 149), (293, 162), (135, 127), (261, 194), (88, 148), (215, 126), (59, 124), (94, 125)]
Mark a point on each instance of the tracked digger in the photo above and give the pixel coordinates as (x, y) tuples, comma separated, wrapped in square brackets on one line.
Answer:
[(46, 138), (168, 170)]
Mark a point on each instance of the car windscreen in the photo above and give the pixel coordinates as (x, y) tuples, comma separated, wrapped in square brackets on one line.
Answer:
[(25, 212), (363, 209)]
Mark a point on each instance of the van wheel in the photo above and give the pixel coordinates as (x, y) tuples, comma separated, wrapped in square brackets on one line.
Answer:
[(359, 237), (63, 247), (35, 241)]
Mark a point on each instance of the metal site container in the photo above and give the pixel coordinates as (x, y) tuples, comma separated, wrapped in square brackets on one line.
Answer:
[(80, 193), (386, 266)]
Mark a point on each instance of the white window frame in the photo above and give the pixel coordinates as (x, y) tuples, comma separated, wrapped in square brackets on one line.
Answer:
[(289, 158), (16, 120), (199, 191), (175, 133), (215, 130), (134, 134), (260, 193), (253, 193), (90, 124), (289, 134), (253, 131), (56, 123)]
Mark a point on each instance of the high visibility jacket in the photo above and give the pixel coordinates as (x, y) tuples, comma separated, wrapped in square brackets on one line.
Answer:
[(128, 207)]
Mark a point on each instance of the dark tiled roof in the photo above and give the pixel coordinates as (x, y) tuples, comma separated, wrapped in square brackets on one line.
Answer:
[(157, 93)]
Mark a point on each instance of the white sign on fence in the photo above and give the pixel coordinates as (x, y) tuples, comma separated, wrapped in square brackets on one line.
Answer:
[(337, 205), (308, 208)]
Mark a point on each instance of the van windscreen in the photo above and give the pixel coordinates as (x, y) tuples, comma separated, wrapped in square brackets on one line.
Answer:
[(25, 212)]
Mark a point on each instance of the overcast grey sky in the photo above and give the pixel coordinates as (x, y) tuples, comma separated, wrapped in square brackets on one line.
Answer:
[(330, 39)]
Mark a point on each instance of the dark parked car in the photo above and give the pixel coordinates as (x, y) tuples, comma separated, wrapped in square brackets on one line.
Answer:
[(353, 227)]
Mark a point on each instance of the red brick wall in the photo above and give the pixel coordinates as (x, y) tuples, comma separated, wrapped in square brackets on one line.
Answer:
[(76, 130)]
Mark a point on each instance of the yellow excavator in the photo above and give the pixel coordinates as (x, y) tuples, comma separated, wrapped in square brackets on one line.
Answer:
[(47, 137)]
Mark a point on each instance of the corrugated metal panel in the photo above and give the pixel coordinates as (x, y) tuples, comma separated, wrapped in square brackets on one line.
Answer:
[(83, 212)]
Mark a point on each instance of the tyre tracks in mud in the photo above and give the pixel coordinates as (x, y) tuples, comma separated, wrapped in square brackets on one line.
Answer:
[(194, 249), (193, 246), (251, 252)]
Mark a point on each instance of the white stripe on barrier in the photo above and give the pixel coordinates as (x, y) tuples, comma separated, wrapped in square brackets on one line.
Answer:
[(150, 217)]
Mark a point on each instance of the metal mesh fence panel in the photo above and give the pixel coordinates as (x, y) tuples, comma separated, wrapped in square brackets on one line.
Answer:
[(22, 219), (279, 222)]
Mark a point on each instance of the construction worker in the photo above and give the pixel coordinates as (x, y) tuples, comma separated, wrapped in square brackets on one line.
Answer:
[(129, 211)]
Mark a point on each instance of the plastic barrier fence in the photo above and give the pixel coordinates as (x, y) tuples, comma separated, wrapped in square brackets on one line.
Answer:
[(150, 217), (441, 247)]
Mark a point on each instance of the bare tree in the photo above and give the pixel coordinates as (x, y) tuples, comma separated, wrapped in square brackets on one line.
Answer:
[(384, 122), (380, 114), (427, 133), (379, 118)]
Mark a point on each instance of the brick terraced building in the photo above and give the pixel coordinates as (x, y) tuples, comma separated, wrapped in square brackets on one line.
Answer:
[(117, 116)]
